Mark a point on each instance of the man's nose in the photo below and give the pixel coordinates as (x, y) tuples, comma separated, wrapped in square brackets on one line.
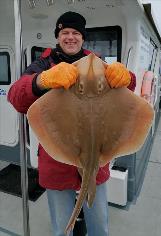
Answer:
[(70, 35)]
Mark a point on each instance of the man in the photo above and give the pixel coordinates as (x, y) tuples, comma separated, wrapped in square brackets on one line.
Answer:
[(54, 70)]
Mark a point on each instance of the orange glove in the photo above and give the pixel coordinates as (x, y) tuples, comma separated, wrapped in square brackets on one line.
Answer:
[(61, 75), (117, 75)]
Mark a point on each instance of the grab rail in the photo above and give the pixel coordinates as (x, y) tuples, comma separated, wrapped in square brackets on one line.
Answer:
[(128, 56), (23, 150)]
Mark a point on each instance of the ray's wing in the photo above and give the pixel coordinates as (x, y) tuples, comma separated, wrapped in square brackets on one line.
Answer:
[(54, 119), (127, 120)]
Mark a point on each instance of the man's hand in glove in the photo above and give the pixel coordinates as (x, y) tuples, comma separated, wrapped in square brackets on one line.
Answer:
[(117, 75), (61, 75)]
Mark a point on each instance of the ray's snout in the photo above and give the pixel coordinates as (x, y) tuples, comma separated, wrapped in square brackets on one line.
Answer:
[(92, 81)]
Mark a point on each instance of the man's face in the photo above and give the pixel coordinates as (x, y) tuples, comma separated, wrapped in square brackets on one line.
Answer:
[(70, 40)]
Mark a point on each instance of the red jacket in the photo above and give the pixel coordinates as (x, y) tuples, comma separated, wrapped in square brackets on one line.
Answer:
[(52, 174)]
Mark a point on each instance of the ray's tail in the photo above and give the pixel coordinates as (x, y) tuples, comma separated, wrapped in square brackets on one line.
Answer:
[(81, 197)]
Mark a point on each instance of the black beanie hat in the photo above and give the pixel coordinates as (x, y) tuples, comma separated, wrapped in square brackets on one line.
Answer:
[(71, 20)]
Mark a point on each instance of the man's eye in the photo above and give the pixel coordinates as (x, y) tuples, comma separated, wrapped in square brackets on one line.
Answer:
[(76, 33), (81, 88)]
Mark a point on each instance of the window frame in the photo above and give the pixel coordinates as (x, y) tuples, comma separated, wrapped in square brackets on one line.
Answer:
[(35, 49), (116, 29), (154, 55), (8, 82)]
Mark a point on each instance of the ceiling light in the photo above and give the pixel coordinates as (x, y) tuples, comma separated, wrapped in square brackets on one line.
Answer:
[(32, 3), (50, 2), (70, 1)]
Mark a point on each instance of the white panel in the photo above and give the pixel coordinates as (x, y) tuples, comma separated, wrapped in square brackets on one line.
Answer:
[(33, 149), (8, 115), (117, 187), (8, 123)]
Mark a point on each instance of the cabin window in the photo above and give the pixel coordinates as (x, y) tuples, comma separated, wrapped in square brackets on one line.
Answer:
[(36, 52), (5, 71), (106, 42), (153, 50)]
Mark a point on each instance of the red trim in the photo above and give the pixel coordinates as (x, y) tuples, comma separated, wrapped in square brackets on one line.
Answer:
[(46, 53), (86, 51), (132, 84)]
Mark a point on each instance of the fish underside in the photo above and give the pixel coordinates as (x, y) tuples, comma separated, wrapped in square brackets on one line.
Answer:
[(89, 125)]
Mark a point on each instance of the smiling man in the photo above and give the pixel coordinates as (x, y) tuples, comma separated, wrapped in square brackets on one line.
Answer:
[(70, 32), (54, 70)]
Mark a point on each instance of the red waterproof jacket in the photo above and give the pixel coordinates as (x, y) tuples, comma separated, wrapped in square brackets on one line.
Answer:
[(52, 174)]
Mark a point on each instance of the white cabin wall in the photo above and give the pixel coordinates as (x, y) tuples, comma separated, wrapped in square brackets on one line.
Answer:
[(132, 20), (109, 17), (47, 39), (141, 67), (135, 18), (7, 23), (8, 39)]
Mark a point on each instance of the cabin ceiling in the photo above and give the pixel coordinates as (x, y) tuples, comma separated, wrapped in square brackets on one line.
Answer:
[(45, 12)]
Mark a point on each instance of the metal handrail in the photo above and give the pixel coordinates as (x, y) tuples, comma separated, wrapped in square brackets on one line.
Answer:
[(22, 134), (128, 56)]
